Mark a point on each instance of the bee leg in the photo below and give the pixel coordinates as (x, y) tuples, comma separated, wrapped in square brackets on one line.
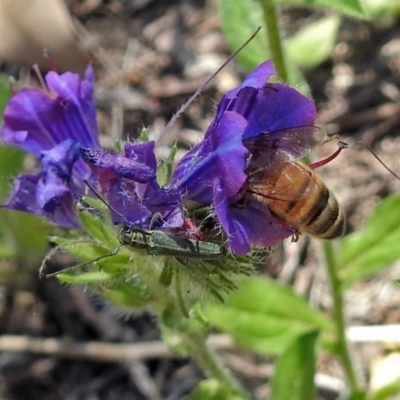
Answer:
[(295, 236)]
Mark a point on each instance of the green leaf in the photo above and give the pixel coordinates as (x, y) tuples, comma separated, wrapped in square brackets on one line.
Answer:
[(211, 389), (386, 392), (313, 44), (373, 248), (383, 11), (26, 234), (11, 162), (360, 395), (266, 316), (86, 278), (348, 7), (132, 293), (294, 372), (240, 19), (4, 94)]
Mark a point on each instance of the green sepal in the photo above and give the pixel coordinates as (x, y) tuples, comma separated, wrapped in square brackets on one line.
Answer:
[(95, 226), (144, 135), (131, 293), (164, 170), (167, 273)]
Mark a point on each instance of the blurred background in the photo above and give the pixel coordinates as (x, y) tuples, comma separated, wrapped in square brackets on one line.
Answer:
[(149, 57)]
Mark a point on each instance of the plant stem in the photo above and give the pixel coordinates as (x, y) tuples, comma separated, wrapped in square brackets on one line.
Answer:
[(274, 37), (211, 364), (339, 316)]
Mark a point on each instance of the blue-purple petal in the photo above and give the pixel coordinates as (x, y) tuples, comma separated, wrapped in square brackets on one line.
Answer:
[(38, 120), (221, 154), (108, 166)]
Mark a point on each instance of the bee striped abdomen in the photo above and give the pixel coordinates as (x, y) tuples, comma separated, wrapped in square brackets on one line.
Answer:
[(296, 195)]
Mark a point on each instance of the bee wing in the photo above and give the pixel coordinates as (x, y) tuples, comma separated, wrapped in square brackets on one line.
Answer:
[(294, 141), (283, 180)]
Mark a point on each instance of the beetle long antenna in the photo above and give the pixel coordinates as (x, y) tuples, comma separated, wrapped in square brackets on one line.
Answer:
[(109, 206), (376, 156), (206, 83), (113, 253)]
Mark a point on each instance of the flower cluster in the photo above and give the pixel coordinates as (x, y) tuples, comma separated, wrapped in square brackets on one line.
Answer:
[(58, 126)]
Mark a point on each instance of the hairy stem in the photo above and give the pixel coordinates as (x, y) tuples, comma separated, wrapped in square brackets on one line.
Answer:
[(274, 37), (339, 316), (211, 363)]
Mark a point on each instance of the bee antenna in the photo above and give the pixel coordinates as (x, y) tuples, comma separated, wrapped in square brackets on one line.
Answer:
[(206, 83), (109, 206), (376, 156)]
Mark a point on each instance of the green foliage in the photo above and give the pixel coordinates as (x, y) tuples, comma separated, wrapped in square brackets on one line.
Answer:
[(386, 392), (93, 224), (4, 94), (375, 247), (269, 319), (164, 170), (382, 11), (249, 15), (294, 372), (352, 8), (313, 44), (22, 236), (11, 162), (307, 48), (144, 135), (240, 19), (358, 395), (211, 389)]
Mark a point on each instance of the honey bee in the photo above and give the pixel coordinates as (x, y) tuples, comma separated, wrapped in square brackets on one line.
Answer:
[(290, 189)]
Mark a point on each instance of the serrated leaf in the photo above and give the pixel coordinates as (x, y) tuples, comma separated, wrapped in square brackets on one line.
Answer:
[(348, 7), (266, 316), (294, 372), (313, 44), (211, 389), (373, 248)]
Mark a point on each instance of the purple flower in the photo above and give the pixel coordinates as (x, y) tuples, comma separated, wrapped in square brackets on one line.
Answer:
[(129, 184), (58, 125), (250, 121), (52, 124)]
